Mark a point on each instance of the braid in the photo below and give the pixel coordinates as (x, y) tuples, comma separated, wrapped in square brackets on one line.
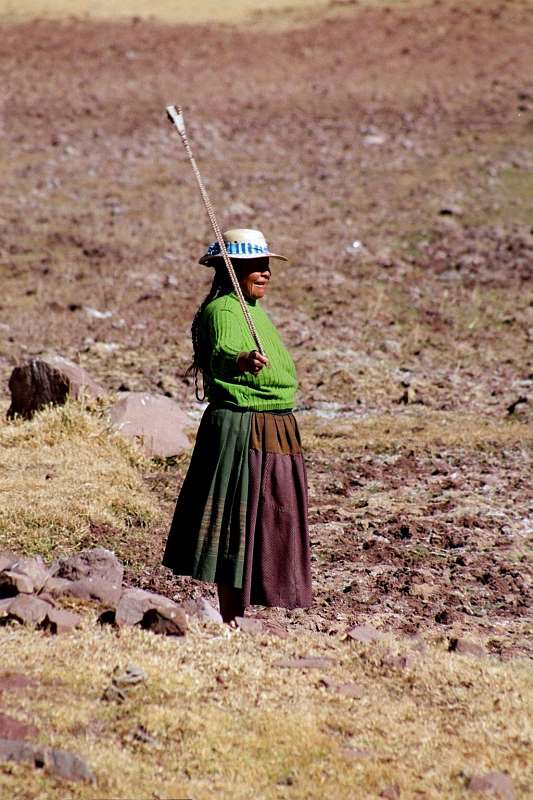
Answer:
[(199, 360)]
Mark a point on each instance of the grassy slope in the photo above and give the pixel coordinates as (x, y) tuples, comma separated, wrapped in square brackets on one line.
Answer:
[(68, 479), (228, 723)]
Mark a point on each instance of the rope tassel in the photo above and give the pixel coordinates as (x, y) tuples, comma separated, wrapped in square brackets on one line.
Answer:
[(176, 117)]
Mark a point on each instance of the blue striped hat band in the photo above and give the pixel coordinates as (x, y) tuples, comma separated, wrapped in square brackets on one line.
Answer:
[(238, 249)]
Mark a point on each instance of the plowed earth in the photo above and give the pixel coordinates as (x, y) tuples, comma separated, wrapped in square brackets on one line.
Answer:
[(387, 151)]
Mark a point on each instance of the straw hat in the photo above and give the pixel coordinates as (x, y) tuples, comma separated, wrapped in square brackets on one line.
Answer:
[(241, 243)]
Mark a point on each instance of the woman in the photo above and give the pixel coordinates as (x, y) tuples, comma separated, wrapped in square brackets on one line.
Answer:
[(241, 516)]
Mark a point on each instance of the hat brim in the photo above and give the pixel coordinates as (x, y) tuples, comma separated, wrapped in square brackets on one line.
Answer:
[(207, 261)]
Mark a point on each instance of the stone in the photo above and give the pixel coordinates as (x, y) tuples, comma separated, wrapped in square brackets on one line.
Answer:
[(95, 589), (493, 784), (404, 661), (134, 603), (58, 620), (13, 583), (28, 609), (16, 750), (355, 753), (305, 662), (466, 647), (365, 634), (34, 568), (66, 765), (96, 562), (250, 625), (166, 621), (155, 422), (140, 734), (48, 380), (114, 694), (131, 676), (391, 792), (11, 728), (201, 609), (7, 558), (4, 605), (346, 689), (256, 625), (16, 680), (56, 587)]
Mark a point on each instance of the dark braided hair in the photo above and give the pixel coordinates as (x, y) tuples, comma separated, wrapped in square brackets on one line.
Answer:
[(221, 285)]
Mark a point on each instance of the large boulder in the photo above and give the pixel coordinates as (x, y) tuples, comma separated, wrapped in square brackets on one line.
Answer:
[(134, 603), (95, 562), (48, 380), (155, 422), (28, 609), (34, 568)]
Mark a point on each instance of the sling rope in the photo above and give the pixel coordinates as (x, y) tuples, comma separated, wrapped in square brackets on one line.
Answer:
[(176, 116)]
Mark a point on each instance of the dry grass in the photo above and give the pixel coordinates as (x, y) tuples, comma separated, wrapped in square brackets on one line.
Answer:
[(419, 429), (261, 731), (63, 472)]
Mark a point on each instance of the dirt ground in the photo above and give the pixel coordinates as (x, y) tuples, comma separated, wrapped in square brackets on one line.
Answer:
[(387, 151)]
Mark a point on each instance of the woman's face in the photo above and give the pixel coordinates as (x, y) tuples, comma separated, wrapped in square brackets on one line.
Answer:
[(253, 275)]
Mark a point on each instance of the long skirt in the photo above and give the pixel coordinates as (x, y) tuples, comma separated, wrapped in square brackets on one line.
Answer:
[(241, 515)]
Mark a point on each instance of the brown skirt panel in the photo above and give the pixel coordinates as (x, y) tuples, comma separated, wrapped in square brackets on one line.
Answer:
[(277, 555)]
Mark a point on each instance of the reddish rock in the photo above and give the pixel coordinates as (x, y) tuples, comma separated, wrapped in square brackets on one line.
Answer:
[(405, 661), (200, 608), (250, 625), (29, 609), (60, 621), (391, 792), (11, 728), (465, 647), (67, 765), (355, 753), (347, 689), (134, 603), (34, 568), (155, 422), (7, 558), (96, 562), (305, 662), (131, 676), (16, 750), (493, 784), (166, 621), (56, 587), (365, 634), (13, 583), (48, 380), (4, 605), (95, 589)]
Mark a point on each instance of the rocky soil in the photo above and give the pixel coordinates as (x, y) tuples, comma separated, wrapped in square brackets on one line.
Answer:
[(387, 151)]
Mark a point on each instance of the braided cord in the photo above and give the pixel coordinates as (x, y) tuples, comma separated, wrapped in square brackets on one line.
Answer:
[(178, 122)]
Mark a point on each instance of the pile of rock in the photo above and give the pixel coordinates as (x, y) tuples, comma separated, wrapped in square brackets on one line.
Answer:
[(155, 422), (30, 591)]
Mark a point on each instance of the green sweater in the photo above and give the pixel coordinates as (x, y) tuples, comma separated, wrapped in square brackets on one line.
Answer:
[(224, 335)]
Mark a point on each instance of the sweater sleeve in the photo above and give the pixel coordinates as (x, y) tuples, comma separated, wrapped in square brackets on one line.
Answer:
[(226, 342)]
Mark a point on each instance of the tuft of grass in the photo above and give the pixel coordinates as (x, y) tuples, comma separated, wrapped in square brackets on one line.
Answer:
[(66, 475), (228, 723)]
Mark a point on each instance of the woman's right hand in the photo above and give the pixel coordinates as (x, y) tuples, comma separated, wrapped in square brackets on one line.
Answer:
[(251, 362)]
